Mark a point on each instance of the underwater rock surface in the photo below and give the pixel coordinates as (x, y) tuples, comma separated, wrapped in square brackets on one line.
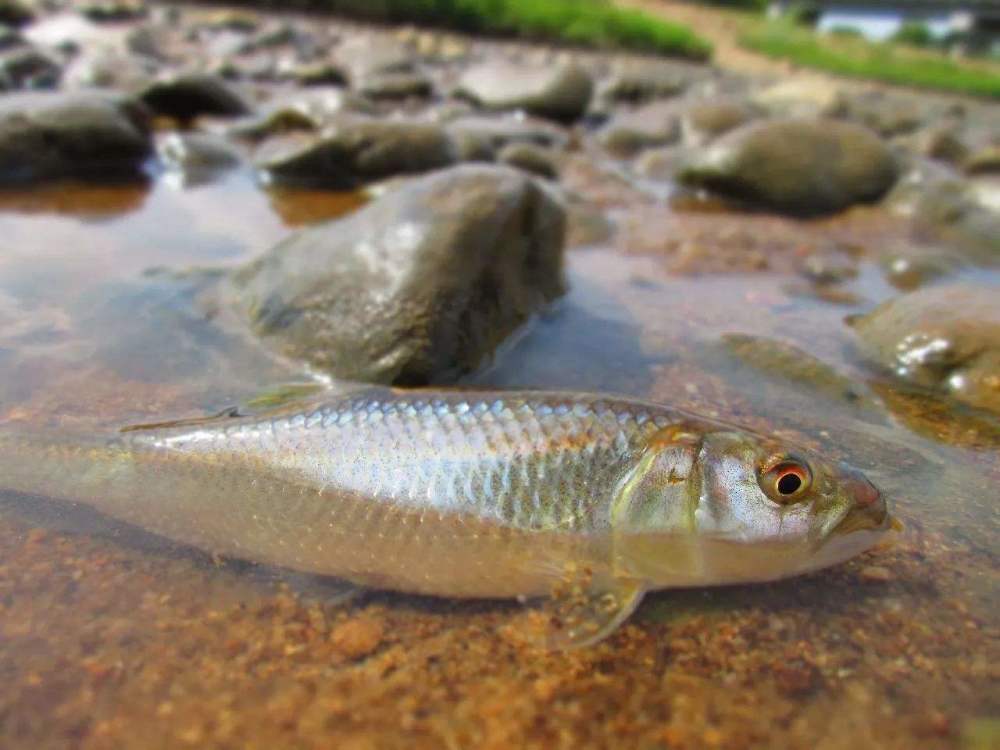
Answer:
[(943, 337), (420, 286)]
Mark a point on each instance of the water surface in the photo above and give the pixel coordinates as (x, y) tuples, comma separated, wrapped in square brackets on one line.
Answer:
[(114, 638)]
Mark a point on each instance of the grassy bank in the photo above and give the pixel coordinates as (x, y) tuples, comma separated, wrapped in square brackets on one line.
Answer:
[(857, 58), (592, 23)]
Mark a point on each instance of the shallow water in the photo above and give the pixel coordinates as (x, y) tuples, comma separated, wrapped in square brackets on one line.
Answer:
[(120, 639)]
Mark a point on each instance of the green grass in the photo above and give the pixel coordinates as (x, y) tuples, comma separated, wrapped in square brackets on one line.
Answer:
[(881, 62), (592, 23)]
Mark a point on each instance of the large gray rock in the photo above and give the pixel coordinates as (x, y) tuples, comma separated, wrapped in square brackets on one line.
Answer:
[(50, 135), (418, 287), (943, 337), (559, 92), (796, 166), (355, 151)]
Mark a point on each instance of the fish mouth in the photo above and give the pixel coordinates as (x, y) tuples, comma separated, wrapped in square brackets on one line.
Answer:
[(874, 517), (869, 511)]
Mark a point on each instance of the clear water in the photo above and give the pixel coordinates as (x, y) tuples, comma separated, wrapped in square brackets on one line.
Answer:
[(89, 334)]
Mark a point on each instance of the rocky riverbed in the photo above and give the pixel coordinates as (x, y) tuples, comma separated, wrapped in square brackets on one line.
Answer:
[(206, 207)]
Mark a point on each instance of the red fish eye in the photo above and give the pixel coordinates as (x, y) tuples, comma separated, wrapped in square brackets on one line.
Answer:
[(789, 482), (786, 481)]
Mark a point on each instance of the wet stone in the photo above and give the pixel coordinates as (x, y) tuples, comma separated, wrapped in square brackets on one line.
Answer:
[(231, 20), (49, 135), (943, 337), (655, 124), (706, 121), (318, 73), (984, 161), (639, 81), (10, 38), (24, 67), (530, 158), (795, 166), (396, 86), (366, 55), (355, 151), (801, 97), (911, 266), (482, 135), (419, 286), (15, 13), (112, 11), (309, 110), (197, 156), (950, 210), (560, 92), (191, 95), (939, 141), (357, 637), (109, 69), (885, 113)]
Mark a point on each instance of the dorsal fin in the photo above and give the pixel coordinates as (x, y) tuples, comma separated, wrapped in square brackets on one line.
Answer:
[(279, 400)]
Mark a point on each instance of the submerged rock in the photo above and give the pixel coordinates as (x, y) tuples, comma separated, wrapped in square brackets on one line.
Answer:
[(357, 150), (886, 113), (655, 124), (796, 166), (641, 80), (984, 161), (197, 157), (418, 287), (706, 121), (50, 135), (307, 110), (109, 69), (396, 85), (24, 67), (530, 158), (111, 11), (15, 13), (367, 55), (188, 96), (949, 209), (942, 337), (480, 138), (560, 92)]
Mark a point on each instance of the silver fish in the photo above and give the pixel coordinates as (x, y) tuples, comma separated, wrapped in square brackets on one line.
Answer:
[(474, 494)]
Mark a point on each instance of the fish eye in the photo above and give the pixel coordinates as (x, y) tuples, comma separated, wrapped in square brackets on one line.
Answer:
[(785, 480)]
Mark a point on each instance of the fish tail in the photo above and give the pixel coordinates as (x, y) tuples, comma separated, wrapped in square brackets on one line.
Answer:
[(36, 462)]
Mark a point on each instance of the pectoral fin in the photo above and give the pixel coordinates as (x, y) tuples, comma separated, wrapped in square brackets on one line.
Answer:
[(583, 615)]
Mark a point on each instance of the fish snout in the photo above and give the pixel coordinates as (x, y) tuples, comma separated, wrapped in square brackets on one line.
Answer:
[(870, 509), (865, 494)]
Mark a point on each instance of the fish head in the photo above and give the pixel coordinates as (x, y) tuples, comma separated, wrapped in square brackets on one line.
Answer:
[(749, 508)]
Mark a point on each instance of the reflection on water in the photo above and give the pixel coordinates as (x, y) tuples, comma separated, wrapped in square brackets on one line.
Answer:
[(89, 336)]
